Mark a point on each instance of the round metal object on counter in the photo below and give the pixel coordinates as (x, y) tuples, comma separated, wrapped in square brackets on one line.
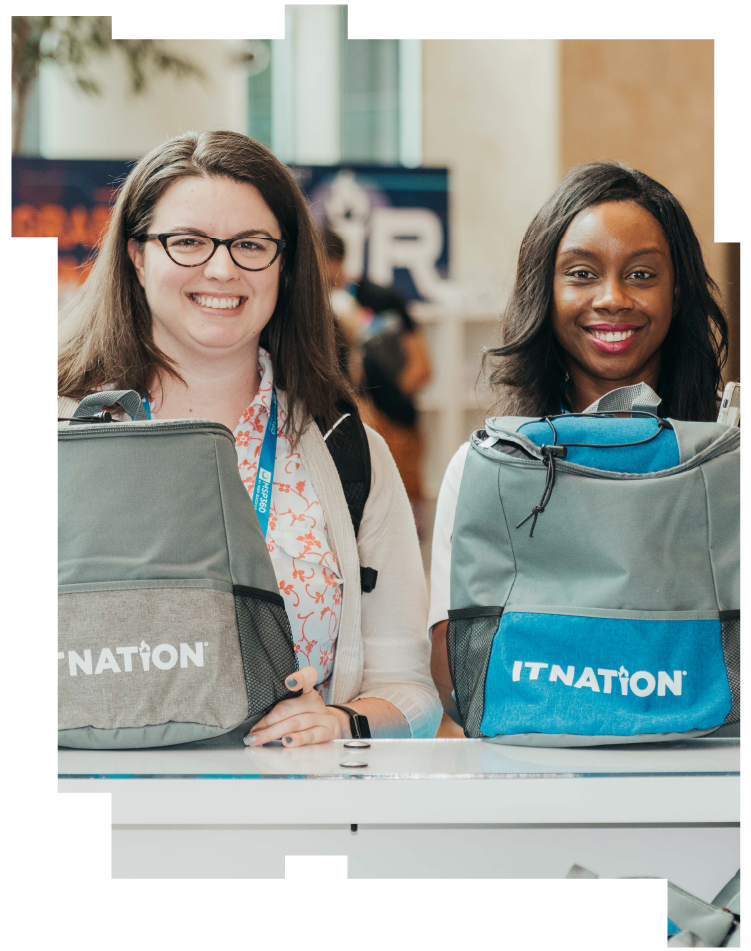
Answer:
[(354, 763), (357, 745)]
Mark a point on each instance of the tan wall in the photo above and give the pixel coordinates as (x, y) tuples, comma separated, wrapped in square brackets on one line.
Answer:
[(490, 113), (650, 103)]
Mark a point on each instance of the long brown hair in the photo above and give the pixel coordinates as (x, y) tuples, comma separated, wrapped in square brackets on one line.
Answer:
[(528, 369), (111, 341)]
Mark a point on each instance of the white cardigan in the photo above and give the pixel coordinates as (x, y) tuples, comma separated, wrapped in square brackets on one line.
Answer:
[(381, 648)]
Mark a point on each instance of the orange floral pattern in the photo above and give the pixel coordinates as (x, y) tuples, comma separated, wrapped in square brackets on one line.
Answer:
[(297, 539)]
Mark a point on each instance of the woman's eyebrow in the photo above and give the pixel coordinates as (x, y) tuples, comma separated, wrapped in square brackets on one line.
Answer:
[(583, 253), (241, 234), (255, 231)]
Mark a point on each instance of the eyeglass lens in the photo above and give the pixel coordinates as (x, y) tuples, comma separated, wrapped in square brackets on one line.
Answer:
[(192, 249)]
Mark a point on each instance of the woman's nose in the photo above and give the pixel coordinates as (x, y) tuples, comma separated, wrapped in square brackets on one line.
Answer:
[(612, 296), (220, 265)]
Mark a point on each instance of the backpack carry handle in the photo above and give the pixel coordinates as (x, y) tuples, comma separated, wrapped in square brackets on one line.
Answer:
[(623, 399), (94, 404)]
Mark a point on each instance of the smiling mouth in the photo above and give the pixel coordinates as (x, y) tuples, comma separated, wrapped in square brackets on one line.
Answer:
[(612, 335), (612, 338), (217, 303)]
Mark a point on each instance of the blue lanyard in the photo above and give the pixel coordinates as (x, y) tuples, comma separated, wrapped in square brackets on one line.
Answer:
[(266, 462), (265, 473)]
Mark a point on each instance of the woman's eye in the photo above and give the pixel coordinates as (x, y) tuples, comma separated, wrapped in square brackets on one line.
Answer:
[(642, 275), (581, 273)]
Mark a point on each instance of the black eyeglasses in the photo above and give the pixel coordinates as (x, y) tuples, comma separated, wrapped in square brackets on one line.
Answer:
[(253, 253)]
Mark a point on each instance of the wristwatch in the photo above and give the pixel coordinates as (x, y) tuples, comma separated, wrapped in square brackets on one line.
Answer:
[(358, 722)]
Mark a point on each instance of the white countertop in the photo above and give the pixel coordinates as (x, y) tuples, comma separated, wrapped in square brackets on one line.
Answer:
[(408, 759), (443, 781)]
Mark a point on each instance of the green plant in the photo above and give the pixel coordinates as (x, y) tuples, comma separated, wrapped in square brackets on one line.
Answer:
[(72, 43)]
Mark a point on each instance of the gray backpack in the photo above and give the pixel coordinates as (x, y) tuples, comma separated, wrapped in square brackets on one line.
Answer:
[(595, 587), (171, 625), (693, 922)]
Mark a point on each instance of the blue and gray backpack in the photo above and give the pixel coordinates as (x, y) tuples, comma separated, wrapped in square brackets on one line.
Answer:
[(595, 587)]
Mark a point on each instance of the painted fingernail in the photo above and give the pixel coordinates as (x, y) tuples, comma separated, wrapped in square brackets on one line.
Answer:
[(292, 682), (250, 739), (287, 739)]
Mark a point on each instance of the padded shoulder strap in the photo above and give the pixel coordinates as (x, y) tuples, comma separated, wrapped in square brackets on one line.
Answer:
[(348, 444)]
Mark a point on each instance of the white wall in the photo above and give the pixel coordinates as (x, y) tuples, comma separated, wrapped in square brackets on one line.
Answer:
[(120, 125), (491, 114)]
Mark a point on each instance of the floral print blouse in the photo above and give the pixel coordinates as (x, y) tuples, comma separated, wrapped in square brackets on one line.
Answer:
[(297, 540)]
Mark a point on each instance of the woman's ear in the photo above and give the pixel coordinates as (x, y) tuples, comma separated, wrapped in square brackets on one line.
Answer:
[(136, 255)]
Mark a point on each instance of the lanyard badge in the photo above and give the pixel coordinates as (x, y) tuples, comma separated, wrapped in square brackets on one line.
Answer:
[(265, 474)]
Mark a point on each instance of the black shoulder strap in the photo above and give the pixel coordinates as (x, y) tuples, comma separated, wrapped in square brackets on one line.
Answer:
[(348, 445)]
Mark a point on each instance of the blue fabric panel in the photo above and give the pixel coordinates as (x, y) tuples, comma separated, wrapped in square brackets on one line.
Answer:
[(661, 453), (641, 653)]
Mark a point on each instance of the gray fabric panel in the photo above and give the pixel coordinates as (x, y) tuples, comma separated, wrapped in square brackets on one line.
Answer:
[(180, 510), (576, 739), (482, 556), (157, 583), (729, 896), (95, 402), (249, 561), (660, 562), (213, 694), (722, 482), (144, 737), (139, 506), (578, 871), (694, 438), (692, 914)]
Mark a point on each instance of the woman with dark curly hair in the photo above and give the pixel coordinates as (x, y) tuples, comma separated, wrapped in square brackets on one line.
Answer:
[(611, 290)]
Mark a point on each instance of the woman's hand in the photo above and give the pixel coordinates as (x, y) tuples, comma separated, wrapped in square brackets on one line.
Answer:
[(299, 721)]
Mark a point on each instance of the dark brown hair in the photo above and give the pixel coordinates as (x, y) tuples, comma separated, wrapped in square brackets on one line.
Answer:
[(112, 343), (528, 370)]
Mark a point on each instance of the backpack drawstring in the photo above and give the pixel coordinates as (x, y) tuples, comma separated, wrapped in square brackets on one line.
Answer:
[(551, 453), (558, 451)]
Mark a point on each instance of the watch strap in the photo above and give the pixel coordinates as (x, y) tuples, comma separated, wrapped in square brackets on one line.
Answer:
[(358, 722)]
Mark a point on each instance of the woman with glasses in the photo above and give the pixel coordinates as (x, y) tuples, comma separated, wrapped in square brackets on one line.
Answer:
[(208, 297)]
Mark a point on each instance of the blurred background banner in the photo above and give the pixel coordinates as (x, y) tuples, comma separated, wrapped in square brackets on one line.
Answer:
[(67, 199), (394, 222)]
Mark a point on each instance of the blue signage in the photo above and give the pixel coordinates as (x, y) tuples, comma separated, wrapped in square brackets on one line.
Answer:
[(393, 221)]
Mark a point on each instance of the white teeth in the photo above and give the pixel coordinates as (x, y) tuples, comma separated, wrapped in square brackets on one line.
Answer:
[(612, 337), (220, 303)]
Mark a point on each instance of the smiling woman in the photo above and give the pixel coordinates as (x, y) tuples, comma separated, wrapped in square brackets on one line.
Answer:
[(611, 252), (208, 299), (611, 290)]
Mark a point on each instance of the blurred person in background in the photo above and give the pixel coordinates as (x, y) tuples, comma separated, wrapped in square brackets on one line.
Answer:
[(351, 317), (392, 364), (208, 297)]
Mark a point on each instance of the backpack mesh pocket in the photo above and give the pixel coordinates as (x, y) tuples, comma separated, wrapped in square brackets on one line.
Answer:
[(731, 648), (469, 641), (268, 653)]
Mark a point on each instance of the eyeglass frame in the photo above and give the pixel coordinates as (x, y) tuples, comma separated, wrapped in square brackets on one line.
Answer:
[(227, 242)]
